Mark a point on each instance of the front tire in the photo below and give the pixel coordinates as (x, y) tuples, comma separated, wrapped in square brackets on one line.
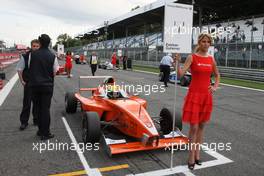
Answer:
[(70, 102), (166, 120), (91, 127)]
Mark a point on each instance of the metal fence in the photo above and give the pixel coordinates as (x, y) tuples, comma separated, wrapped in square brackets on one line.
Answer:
[(242, 73), (242, 55)]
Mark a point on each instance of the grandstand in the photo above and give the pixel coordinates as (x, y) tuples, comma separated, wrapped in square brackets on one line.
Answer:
[(139, 33)]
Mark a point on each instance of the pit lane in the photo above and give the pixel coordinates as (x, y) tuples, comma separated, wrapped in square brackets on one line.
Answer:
[(237, 118)]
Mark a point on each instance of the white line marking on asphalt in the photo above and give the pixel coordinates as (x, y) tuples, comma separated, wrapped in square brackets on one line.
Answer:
[(65, 76), (220, 159), (241, 87), (188, 174), (7, 88), (146, 72), (89, 171)]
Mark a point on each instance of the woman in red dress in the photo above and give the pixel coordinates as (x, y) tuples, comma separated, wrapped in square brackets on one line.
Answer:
[(68, 64), (114, 61), (198, 102)]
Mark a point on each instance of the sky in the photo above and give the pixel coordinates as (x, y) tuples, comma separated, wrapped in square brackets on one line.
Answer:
[(24, 20)]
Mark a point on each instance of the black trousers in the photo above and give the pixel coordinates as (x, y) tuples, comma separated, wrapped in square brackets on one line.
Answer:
[(124, 65), (166, 73), (42, 100), (25, 113), (93, 68)]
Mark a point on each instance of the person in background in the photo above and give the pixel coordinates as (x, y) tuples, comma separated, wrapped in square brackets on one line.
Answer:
[(42, 70), (198, 102), (77, 59), (124, 62), (114, 61), (68, 65), (82, 59), (117, 62), (23, 73), (244, 50), (93, 63), (165, 64)]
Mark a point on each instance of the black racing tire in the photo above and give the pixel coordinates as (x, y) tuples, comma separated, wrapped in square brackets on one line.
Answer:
[(70, 102), (2, 76), (91, 127), (188, 80), (166, 120)]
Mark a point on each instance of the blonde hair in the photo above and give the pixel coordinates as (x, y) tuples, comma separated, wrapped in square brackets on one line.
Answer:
[(200, 38)]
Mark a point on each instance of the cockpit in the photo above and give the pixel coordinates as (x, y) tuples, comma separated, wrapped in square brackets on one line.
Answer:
[(111, 90)]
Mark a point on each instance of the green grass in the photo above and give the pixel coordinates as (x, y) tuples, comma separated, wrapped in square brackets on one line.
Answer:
[(231, 81), (244, 83), (146, 68)]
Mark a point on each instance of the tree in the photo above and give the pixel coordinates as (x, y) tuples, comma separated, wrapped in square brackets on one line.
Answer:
[(63, 39), (67, 41)]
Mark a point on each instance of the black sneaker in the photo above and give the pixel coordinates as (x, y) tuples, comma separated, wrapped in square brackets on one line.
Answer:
[(46, 137), (38, 133), (23, 126)]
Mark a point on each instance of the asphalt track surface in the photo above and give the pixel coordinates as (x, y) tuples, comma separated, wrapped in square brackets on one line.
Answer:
[(238, 118)]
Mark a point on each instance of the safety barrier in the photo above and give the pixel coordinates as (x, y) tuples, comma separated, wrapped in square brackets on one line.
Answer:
[(242, 73)]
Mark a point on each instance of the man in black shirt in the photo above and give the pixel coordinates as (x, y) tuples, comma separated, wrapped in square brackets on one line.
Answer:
[(42, 69)]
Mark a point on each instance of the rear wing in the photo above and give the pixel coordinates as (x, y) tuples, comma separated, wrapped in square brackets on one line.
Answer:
[(93, 88)]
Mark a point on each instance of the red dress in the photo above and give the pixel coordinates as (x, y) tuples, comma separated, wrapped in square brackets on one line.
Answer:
[(113, 59), (198, 102), (68, 64)]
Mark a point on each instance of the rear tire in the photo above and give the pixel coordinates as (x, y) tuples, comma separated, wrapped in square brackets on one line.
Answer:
[(166, 120), (91, 127), (70, 102)]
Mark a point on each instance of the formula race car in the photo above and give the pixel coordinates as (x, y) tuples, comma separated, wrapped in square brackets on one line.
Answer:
[(80, 59), (121, 120), (106, 65), (183, 81), (61, 71)]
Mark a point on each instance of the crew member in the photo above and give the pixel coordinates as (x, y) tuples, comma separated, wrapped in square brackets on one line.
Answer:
[(165, 64), (124, 62), (23, 73), (93, 63), (42, 69)]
